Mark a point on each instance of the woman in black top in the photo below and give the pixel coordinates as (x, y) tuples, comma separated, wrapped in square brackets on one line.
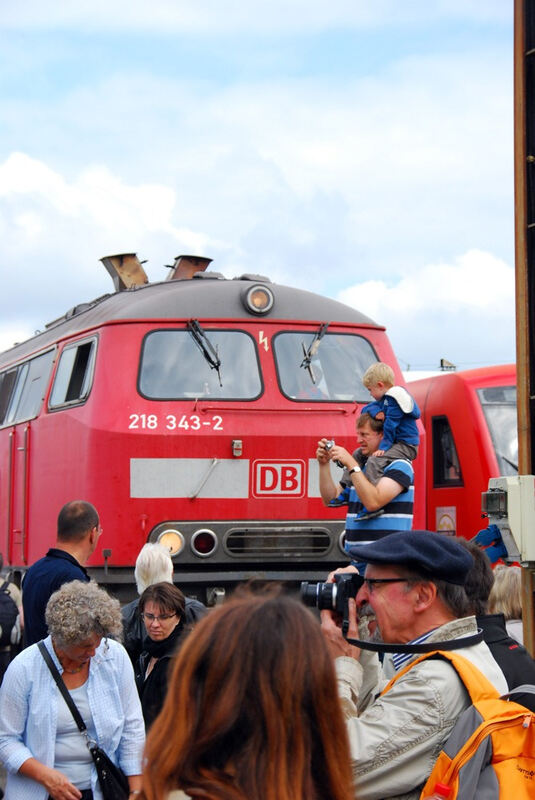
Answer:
[(161, 607)]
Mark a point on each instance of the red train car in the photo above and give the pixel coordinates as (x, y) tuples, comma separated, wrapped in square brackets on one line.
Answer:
[(471, 425), (187, 411)]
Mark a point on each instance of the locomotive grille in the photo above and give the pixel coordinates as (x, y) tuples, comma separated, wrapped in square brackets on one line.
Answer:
[(296, 542)]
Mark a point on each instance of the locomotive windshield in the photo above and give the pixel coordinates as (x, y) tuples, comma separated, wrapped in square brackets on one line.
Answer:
[(499, 407), (174, 368), (334, 372)]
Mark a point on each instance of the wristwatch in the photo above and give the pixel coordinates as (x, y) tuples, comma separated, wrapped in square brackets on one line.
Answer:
[(356, 468)]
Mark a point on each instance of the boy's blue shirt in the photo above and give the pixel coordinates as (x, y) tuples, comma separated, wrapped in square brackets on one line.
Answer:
[(398, 425)]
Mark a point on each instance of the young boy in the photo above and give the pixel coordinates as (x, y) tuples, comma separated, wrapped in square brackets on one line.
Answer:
[(399, 411)]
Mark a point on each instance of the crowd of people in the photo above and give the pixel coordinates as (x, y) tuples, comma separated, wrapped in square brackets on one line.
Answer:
[(256, 699)]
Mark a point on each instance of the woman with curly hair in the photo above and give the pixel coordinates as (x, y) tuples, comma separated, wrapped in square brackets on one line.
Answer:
[(42, 749), (252, 711)]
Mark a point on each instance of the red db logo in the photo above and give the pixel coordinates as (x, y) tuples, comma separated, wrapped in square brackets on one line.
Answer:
[(281, 478)]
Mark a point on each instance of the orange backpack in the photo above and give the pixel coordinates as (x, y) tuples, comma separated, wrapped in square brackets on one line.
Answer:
[(490, 752)]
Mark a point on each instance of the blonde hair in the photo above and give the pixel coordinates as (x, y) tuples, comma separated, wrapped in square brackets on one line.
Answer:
[(506, 594), (379, 372), (153, 565)]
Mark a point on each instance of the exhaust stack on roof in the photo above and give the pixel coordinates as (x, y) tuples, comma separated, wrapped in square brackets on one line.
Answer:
[(126, 271), (185, 267)]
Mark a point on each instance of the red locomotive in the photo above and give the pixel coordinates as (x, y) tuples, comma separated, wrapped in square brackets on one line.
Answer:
[(471, 426), (186, 411)]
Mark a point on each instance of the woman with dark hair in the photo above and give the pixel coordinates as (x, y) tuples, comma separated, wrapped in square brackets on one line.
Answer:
[(161, 607), (252, 711)]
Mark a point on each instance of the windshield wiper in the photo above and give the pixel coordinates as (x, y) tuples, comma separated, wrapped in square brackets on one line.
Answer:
[(312, 349), (507, 460), (206, 347)]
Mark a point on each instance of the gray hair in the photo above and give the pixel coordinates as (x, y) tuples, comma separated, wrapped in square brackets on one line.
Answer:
[(153, 565), (453, 596), (78, 610)]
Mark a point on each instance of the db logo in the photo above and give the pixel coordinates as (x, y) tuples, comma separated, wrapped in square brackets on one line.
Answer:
[(281, 478)]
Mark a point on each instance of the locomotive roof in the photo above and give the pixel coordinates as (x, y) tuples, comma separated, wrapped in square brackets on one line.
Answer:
[(208, 296)]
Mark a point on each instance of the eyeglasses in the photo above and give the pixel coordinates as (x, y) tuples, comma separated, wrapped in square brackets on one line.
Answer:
[(372, 582), (154, 618)]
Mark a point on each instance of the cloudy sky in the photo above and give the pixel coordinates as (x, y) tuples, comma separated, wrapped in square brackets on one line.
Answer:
[(359, 148)]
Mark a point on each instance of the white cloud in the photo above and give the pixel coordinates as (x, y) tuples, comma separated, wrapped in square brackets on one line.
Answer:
[(264, 16), (460, 310), (54, 230)]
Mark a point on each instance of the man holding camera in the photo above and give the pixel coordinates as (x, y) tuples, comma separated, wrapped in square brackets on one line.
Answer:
[(374, 510), (414, 589)]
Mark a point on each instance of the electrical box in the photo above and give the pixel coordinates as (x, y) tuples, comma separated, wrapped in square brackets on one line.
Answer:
[(509, 503)]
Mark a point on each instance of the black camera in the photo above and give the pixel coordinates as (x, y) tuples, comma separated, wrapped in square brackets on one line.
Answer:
[(333, 596)]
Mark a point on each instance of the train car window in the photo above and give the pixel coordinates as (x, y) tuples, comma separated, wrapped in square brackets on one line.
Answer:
[(174, 367), (446, 467), (29, 390), (74, 374), (499, 407), (7, 383), (337, 366)]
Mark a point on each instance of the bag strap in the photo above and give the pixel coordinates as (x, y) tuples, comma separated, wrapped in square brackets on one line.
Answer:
[(3, 587), (63, 689), (476, 684)]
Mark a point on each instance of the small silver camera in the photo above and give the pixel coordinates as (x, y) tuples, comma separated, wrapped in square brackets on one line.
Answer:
[(329, 444)]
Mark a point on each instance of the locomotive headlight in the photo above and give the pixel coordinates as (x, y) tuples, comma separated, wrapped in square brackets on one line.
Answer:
[(172, 540), (258, 299), (204, 542)]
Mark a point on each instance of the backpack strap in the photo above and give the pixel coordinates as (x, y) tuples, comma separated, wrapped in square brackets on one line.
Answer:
[(477, 685), (3, 587)]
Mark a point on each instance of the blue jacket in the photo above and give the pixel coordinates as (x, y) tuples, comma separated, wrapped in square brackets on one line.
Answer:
[(42, 579), (401, 412)]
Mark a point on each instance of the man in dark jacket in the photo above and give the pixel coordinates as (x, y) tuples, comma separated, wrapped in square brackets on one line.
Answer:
[(78, 532), (516, 663)]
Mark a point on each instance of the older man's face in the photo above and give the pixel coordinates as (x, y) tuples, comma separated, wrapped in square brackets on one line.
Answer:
[(392, 603)]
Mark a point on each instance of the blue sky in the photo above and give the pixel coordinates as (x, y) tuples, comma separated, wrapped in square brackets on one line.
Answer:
[(359, 148)]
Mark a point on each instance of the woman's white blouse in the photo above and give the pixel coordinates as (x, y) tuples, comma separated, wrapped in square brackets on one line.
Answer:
[(29, 710)]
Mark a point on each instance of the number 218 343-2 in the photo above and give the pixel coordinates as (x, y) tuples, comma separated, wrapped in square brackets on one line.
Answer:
[(172, 423)]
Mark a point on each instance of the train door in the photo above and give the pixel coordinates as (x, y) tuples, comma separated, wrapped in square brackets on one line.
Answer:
[(22, 390), (445, 477)]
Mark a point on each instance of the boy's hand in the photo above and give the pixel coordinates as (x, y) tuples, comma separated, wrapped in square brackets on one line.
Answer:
[(380, 415), (378, 453)]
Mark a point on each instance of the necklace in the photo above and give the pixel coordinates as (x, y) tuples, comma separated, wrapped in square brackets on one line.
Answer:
[(64, 668), (72, 671)]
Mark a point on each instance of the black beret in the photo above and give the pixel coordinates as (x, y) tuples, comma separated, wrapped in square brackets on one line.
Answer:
[(435, 553)]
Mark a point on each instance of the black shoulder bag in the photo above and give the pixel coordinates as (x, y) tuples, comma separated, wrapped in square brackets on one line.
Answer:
[(113, 782)]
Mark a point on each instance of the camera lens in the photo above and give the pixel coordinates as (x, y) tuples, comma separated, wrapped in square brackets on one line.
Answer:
[(309, 592), (318, 595)]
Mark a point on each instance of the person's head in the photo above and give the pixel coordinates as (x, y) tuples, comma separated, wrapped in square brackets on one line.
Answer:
[(153, 565), (414, 582), (369, 433), (506, 595), (78, 524), (252, 711), (480, 578), (378, 379), (79, 615), (162, 607)]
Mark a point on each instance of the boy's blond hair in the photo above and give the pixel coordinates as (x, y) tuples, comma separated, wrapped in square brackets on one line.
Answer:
[(379, 372)]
